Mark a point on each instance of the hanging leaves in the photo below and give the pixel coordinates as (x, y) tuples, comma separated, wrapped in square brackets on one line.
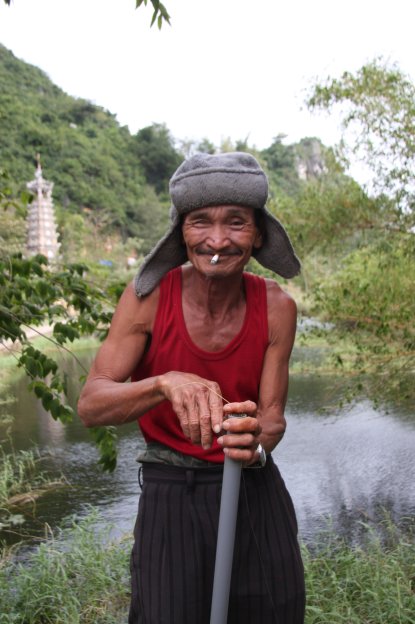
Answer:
[(160, 12), (34, 294)]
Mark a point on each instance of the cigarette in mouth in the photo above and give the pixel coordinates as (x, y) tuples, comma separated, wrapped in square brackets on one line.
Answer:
[(215, 259)]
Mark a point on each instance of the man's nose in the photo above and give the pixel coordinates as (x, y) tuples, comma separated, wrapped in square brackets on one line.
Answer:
[(218, 236)]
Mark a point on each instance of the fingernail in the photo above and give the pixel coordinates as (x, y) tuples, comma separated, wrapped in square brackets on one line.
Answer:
[(206, 446), (216, 428), (220, 440)]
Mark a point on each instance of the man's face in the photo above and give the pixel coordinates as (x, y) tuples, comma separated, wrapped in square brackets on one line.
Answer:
[(225, 231)]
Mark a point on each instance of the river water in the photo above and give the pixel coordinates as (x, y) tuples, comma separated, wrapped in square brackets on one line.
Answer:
[(344, 468)]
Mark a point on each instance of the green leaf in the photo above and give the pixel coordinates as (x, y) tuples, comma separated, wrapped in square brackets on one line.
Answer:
[(105, 438)]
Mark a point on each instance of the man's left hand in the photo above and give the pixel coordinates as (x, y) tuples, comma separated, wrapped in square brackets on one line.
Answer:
[(241, 435)]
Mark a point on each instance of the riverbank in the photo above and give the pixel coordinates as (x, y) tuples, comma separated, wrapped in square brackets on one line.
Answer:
[(82, 578)]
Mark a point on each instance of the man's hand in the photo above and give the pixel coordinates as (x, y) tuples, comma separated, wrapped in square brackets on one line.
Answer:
[(241, 438), (198, 404)]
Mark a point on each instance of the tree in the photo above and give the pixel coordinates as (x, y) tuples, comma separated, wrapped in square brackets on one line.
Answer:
[(378, 105), (280, 161), (371, 295), (32, 294), (158, 158), (12, 224)]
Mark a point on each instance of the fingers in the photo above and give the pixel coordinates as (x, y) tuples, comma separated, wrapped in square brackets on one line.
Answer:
[(241, 439), (216, 408), (243, 407), (204, 424), (242, 425), (198, 405)]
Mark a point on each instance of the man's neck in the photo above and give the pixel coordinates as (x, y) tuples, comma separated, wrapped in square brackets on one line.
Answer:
[(214, 295)]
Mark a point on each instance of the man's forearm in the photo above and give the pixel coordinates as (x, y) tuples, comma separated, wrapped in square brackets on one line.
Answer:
[(272, 431), (107, 402)]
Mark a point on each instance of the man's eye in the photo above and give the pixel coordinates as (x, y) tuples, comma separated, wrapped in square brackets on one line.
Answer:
[(237, 223)]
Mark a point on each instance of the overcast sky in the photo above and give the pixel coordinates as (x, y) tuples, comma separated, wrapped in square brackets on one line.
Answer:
[(225, 68)]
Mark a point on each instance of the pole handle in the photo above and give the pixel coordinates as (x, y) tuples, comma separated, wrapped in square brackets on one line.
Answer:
[(226, 537)]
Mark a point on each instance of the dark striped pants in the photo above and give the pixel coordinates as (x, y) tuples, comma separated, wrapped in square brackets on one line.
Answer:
[(173, 558)]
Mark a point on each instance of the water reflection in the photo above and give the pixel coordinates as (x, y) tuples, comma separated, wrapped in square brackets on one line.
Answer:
[(341, 468), (346, 467)]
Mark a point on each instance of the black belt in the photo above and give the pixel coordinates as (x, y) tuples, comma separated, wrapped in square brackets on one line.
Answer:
[(157, 473)]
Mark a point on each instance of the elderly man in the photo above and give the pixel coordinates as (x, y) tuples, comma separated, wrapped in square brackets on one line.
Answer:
[(199, 342)]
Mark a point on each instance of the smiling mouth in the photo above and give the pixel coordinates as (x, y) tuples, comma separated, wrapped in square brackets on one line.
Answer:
[(222, 254)]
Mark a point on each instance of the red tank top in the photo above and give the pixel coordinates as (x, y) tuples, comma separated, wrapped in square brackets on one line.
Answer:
[(236, 368)]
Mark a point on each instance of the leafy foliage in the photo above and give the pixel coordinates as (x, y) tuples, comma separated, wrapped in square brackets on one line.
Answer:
[(154, 147), (371, 299), (370, 294), (378, 103), (329, 214), (280, 161), (34, 294), (160, 12)]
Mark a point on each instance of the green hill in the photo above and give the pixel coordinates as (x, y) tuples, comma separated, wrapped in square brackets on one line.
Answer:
[(106, 179), (95, 164)]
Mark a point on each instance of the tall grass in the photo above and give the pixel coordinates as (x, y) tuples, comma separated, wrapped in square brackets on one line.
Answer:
[(21, 482), (19, 474), (373, 584), (78, 578), (82, 578)]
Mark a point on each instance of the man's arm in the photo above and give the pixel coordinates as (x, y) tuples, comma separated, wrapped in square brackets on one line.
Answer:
[(105, 398), (282, 323)]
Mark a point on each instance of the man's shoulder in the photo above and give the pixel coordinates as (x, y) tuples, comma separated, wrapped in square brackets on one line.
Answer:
[(277, 295)]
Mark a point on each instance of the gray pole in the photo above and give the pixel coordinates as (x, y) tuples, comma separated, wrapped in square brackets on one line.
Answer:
[(226, 538)]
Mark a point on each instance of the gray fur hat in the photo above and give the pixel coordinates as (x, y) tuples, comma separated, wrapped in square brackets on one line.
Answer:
[(214, 180)]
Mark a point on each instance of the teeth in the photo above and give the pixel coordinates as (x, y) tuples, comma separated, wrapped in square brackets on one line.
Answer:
[(215, 259)]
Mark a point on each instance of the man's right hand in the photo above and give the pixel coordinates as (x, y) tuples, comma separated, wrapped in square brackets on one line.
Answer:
[(198, 404)]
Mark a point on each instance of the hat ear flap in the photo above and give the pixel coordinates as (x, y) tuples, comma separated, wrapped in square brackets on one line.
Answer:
[(166, 255), (276, 252)]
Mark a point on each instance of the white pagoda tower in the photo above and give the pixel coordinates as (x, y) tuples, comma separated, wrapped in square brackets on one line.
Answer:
[(42, 235)]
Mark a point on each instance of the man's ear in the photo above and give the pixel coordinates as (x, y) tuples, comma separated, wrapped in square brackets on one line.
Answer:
[(258, 240)]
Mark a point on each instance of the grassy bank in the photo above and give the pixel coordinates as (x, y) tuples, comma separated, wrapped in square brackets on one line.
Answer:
[(81, 578), (77, 578), (370, 585)]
